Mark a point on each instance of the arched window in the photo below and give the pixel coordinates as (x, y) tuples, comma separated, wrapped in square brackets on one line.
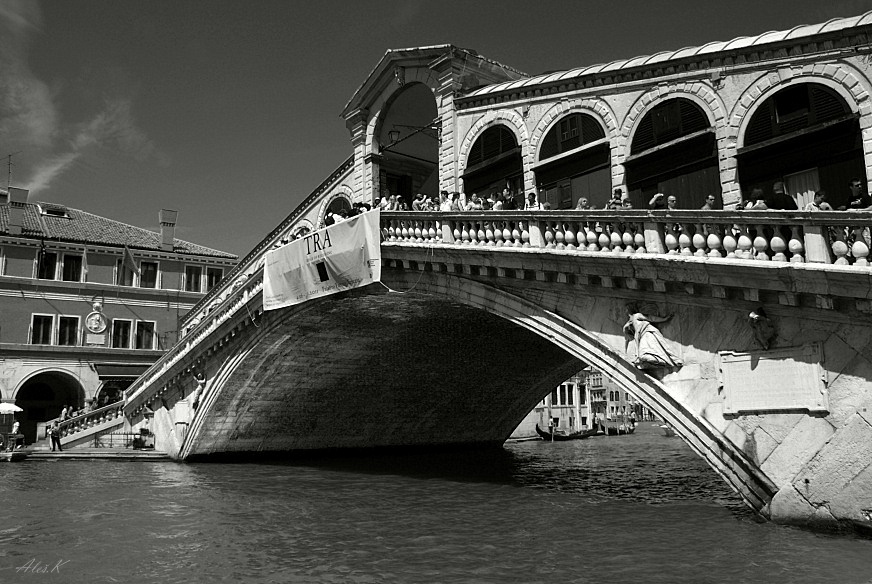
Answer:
[(574, 163), (793, 109), (493, 142), (806, 136), (668, 121), (494, 162), (569, 133), (674, 151)]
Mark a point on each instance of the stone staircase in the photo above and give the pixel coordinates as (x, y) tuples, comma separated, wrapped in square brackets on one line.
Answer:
[(98, 428)]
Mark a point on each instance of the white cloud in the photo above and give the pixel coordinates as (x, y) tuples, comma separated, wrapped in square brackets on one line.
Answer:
[(113, 127), (29, 118)]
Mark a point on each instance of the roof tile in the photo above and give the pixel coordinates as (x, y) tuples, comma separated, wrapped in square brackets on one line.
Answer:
[(83, 227)]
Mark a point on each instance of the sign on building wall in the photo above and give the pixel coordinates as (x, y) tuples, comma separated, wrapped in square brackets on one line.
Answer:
[(339, 257), (791, 378)]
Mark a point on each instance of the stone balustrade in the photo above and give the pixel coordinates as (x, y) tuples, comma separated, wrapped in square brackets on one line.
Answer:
[(178, 361), (83, 422), (783, 236)]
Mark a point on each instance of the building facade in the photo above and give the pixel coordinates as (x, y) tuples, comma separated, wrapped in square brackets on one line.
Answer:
[(88, 303), (586, 399)]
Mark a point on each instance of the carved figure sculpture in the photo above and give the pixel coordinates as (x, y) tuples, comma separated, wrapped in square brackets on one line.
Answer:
[(651, 350), (198, 393), (764, 329)]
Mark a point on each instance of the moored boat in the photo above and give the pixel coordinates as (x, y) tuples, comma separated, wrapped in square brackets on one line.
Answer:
[(13, 455), (561, 437)]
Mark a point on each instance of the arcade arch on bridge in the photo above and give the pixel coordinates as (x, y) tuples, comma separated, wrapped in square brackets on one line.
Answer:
[(806, 134), (407, 140), (573, 162), (673, 150), (494, 163)]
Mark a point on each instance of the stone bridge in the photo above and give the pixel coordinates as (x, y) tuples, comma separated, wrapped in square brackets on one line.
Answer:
[(479, 315)]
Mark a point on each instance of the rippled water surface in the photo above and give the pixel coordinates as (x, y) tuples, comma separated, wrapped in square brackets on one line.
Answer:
[(638, 508)]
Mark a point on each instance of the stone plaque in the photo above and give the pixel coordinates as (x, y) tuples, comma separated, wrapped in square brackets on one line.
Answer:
[(92, 339), (792, 378)]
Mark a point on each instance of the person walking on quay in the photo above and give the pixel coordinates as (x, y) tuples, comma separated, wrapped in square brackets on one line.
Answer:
[(55, 434)]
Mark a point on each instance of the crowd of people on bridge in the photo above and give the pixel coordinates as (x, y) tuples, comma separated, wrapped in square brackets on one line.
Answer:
[(776, 199)]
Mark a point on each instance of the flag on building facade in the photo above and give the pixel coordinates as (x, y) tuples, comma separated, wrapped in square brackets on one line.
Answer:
[(129, 262), (85, 264), (339, 257)]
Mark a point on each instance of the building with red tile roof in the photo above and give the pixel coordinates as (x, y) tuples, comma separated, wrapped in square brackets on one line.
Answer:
[(87, 303)]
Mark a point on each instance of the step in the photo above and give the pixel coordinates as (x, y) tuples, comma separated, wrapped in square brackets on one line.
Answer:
[(82, 453)]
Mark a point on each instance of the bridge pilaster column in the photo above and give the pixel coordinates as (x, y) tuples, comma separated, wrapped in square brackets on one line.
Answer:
[(817, 246), (537, 237), (654, 238)]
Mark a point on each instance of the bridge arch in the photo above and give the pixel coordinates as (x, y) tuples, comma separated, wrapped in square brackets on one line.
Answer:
[(470, 314)]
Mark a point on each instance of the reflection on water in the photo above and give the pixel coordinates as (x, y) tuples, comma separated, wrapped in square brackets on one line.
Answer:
[(640, 507)]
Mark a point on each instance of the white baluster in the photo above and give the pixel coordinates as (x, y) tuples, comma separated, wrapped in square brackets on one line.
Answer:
[(760, 245), (559, 236), (685, 241), (605, 241), (795, 246), (745, 244), (516, 235), (671, 241), (549, 235), (615, 239), (713, 241), (730, 243), (860, 251), (639, 238), (569, 235), (592, 238)]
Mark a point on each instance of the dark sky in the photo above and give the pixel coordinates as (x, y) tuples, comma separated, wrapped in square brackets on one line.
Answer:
[(229, 111)]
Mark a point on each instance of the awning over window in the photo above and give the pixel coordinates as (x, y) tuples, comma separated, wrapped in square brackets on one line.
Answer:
[(113, 370)]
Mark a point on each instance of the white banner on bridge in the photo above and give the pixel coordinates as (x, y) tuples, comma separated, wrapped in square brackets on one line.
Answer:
[(339, 257)]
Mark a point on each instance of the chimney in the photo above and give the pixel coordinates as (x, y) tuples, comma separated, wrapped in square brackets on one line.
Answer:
[(17, 201), (167, 220)]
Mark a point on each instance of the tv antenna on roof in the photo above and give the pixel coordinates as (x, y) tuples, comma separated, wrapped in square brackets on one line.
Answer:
[(9, 166)]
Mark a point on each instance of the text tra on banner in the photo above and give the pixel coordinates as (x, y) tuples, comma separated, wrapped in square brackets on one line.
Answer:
[(339, 257)]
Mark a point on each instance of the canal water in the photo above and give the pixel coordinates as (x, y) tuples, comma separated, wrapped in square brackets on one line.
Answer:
[(640, 508)]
